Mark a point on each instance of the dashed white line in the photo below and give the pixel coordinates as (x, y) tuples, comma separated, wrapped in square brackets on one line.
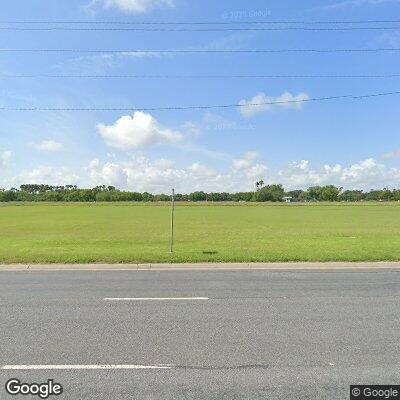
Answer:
[(155, 298), (83, 367)]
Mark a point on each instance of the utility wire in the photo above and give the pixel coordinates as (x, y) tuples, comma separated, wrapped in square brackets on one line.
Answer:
[(292, 28), (135, 51), (128, 76), (203, 107), (269, 22)]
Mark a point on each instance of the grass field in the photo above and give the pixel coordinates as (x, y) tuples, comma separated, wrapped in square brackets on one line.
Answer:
[(72, 233)]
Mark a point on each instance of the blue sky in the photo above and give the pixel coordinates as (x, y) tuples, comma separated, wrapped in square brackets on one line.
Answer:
[(353, 144)]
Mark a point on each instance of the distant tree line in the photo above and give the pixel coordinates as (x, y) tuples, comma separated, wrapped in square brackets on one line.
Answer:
[(262, 193)]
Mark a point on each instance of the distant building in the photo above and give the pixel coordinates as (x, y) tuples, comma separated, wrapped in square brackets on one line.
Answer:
[(288, 199)]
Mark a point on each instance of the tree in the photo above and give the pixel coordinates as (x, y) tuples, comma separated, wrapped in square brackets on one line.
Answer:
[(8, 195), (270, 193), (197, 196), (295, 194), (351, 195), (259, 184), (396, 195), (329, 193), (219, 197), (162, 197), (242, 196), (314, 193), (147, 197), (380, 195), (322, 193), (43, 192), (181, 197)]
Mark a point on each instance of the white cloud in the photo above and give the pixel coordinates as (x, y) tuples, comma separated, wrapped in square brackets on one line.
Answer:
[(48, 145), (257, 172), (358, 3), (217, 122), (5, 158), (391, 154), (260, 103), (201, 170), (139, 173), (132, 6), (94, 165), (142, 174), (246, 167), (363, 175), (246, 161), (139, 130), (47, 175), (302, 165), (192, 128), (109, 174), (365, 171)]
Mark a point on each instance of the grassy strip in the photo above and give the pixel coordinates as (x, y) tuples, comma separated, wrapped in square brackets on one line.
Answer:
[(228, 232)]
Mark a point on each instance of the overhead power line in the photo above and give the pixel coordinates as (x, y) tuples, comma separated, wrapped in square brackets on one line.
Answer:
[(265, 22), (292, 28), (238, 76), (207, 51), (202, 107)]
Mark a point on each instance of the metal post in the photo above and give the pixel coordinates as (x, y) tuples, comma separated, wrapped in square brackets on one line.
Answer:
[(172, 220)]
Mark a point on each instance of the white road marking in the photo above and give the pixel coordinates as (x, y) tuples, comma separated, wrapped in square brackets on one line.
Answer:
[(82, 367), (155, 298)]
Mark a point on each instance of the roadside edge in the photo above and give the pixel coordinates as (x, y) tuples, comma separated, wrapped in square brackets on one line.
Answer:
[(204, 266)]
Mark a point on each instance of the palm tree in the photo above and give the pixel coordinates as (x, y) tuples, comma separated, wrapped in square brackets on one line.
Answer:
[(259, 184)]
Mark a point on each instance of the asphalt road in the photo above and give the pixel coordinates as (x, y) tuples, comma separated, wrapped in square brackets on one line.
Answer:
[(261, 335)]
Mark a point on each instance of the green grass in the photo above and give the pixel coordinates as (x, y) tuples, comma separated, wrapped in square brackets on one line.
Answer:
[(72, 233)]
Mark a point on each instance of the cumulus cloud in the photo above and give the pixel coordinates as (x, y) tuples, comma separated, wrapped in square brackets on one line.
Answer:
[(142, 174), (132, 6), (47, 175), (302, 165), (109, 174), (391, 154), (257, 172), (201, 170), (261, 103), (364, 172), (5, 158), (247, 168), (139, 173), (48, 145), (139, 130), (363, 175), (246, 161), (158, 176)]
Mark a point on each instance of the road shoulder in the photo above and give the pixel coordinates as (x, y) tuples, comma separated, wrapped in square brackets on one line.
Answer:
[(290, 266)]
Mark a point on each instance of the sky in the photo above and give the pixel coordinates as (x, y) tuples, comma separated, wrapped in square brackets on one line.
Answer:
[(346, 142)]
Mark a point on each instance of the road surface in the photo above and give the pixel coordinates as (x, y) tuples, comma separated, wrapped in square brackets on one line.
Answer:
[(200, 334)]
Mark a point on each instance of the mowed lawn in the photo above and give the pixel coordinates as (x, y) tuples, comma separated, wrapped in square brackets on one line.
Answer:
[(72, 233)]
